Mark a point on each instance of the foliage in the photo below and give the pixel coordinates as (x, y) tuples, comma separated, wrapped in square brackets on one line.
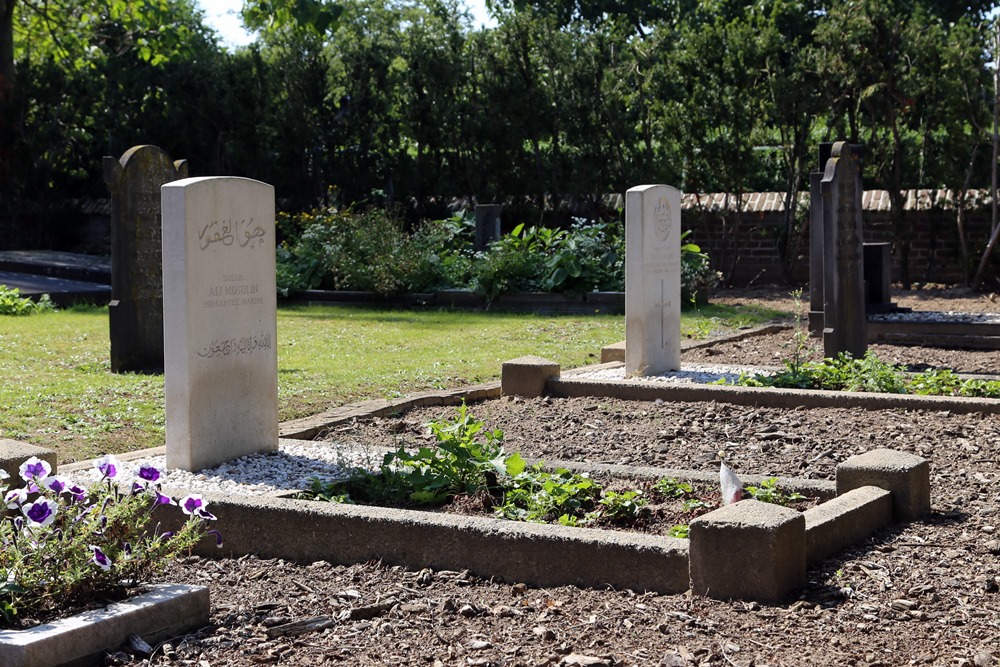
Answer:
[(459, 464), (541, 496), (366, 251), (672, 488), (370, 250), (12, 303), (64, 544), (769, 492), (945, 382), (697, 274), (868, 374)]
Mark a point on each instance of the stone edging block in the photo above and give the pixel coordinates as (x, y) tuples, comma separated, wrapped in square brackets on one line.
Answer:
[(748, 550), (906, 475), (167, 610), (13, 453), (845, 520), (526, 376)]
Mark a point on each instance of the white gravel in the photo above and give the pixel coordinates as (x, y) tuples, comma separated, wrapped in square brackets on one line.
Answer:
[(938, 316), (288, 469), (688, 374)]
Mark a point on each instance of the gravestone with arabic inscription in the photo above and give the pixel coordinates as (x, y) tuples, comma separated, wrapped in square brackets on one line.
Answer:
[(135, 314), (652, 280), (220, 315)]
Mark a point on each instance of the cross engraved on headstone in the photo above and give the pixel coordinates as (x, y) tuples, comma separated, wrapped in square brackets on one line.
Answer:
[(652, 280)]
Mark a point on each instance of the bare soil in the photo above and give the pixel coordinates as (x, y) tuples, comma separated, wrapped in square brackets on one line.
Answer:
[(925, 593)]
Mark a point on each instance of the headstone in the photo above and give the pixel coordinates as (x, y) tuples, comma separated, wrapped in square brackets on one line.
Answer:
[(487, 226), (652, 280), (844, 322), (816, 254), (878, 276), (219, 305), (135, 313)]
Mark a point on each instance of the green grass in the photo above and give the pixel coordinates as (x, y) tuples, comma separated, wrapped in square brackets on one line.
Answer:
[(57, 390)]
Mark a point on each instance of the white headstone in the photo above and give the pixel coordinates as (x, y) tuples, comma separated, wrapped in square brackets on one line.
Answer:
[(652, 280), (220, 320)]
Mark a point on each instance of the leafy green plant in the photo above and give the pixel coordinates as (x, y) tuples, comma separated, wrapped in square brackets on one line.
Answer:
[(682, 531), (868, 374), (367, 250), (622, 506), (672, 488), (460, 463), (697, 274), (12, 303), (769, 492), (63, 544), (541, 496)]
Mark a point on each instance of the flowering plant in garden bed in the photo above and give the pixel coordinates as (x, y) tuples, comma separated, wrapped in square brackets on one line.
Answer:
[(64, 546)]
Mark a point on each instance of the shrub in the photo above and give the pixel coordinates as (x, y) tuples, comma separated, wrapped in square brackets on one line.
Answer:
[(367, 251), (12, 303)]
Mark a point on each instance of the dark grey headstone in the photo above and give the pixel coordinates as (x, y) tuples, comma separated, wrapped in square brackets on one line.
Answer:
[(487, 225), (136, 309), (878, 274), (844, 323), (816, 254)]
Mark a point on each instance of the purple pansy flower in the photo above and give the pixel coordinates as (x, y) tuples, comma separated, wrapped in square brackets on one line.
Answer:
[(15, 498), (56, 484), (195, 505), (78, 492), (163, 499), (99, 558), (218, 537), (108, 466), (149, 474), (35, 469), (42, 512)]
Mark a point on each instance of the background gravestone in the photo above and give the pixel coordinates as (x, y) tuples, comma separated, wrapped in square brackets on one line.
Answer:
[(220, 309), (844, 322), (652, 280), (487, 226), (135, 314)]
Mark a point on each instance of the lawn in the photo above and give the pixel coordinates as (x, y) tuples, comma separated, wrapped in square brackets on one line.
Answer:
[(58, 391)]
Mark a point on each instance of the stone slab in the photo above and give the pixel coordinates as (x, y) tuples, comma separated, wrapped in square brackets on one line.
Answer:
[(539, 555), (846, 520), (167, 610), (748, 550), (220, 306), (906, 475), (652, 279)]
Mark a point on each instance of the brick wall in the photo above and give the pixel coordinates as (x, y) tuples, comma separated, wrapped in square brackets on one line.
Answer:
[(750, 248)]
